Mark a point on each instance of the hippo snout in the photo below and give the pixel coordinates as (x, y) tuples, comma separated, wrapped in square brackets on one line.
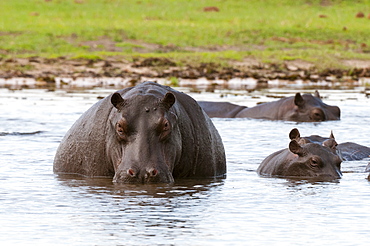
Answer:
[(146, 175)]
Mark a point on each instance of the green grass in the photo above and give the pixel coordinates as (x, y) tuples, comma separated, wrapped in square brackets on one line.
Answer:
[(267, 30)]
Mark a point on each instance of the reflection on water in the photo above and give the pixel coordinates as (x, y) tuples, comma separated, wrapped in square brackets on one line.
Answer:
[(138, 212), (38, 207), (19, 133), (201, 84), (182, 187)]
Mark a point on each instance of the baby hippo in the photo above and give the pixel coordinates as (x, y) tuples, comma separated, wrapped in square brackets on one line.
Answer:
[(307, 161)]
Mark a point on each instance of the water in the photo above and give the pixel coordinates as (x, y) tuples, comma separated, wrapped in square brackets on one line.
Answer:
[(39, 208)]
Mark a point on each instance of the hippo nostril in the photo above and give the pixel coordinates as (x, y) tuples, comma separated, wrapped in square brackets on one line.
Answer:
[(151, 173), (131, 172), (154, 172)]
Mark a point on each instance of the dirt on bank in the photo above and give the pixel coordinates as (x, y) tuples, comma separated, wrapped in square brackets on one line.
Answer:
[(43, 69)]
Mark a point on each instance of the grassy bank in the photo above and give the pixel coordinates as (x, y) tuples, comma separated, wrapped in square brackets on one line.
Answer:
[(323, 32)]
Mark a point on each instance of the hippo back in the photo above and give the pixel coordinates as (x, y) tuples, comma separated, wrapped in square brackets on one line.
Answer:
[(202, 144), (221, 109), (352, 151)]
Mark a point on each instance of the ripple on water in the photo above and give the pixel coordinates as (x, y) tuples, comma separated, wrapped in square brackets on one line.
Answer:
[(38, 207)]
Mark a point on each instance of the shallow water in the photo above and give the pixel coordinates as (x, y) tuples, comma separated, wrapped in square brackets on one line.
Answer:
[(37, 207)]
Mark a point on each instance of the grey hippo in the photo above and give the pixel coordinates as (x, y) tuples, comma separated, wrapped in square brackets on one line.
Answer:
[(306, 161), (298, 108), (144, 134), (348, 151)]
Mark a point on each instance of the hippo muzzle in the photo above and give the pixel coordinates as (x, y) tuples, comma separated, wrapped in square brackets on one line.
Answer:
[(142, 175)]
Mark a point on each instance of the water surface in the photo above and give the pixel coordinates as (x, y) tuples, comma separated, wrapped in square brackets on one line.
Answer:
[(37, 207)]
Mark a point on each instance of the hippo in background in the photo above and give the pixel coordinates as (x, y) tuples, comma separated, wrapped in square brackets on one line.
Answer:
[(309, 161), (348, 151), (298, 108), (144, 134), (221, 109)]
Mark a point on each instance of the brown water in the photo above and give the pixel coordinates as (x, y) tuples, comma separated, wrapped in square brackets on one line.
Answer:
[(37, 207)]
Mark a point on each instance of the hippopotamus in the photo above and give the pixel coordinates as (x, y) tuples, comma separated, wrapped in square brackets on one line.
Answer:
[(221, 109), (348, 151), (307, 161), (298, 108), (144, 134)]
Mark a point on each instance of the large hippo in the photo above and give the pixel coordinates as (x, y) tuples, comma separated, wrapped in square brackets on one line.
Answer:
[(298, 108), (308, 161), (348, 151), (144, 134)]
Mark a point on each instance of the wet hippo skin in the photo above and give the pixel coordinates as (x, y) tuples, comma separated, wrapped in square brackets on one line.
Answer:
[(298, 108), (348, 151), (305, 161), (144, 134)]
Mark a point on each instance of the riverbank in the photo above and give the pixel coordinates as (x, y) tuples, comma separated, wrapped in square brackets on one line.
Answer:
[(46, 70)]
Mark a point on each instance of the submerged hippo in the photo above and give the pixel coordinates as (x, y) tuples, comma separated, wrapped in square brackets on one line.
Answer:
[(308, 161), (143, 134), (299, 108), (348, 151)]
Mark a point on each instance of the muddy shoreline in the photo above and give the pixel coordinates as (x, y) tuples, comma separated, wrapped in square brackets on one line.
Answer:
[(45, 70)]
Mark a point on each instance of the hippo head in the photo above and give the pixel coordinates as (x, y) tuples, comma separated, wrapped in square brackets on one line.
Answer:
[(146, 143), (328, 142), (312, 161), (308, 108)]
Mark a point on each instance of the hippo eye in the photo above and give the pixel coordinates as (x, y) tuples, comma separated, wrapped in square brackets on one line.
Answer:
[(317, 115), (166, 126), (315, 162), (121, 128), (165, 129)]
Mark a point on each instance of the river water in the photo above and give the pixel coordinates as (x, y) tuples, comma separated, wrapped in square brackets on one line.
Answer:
[(40, 208)]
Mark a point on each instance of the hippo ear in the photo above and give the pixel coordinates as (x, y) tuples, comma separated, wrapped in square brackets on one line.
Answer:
[(168, 100), (295, 148), (317, 94), (117, 100), (294, 134), (330, 143), (298, 100)]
